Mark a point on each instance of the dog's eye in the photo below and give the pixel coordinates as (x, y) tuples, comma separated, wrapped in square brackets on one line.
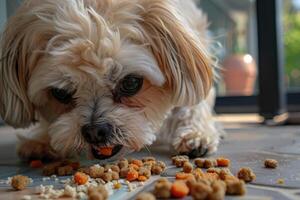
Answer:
[(130, 85), (62, 95)]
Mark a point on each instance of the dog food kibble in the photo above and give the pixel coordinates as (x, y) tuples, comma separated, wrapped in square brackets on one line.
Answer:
[(271, 163), (65, 171), (123, 172), (182, 175), (162, 189), (143, 171), (200, 191), (19, 182), (199, 162), (246, 174), (50, 169), (179, 189), (96, 171), (117, 185), (122, 164), (80, 178), (213, 170), (115, 175), (142, 178), (187, 167), (115, 168), (156, 169), (106, 151), (132, 175), (178, 161), (99, 192), (137, 162), (36, 164), (145, 196), (218, 190), (235, 187), (107, 176), (208, 163), (223, 162)]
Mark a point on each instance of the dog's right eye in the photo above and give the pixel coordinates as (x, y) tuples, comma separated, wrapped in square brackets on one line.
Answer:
[(62, 95)]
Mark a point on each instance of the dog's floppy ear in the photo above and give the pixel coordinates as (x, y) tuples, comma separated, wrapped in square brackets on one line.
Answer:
[(178, 51), (16, 50)]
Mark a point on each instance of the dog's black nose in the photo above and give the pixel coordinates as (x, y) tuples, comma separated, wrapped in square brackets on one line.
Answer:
[(96, 134)]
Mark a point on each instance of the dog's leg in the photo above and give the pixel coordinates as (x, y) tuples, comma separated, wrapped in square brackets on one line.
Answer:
[(192, 130), (36, 145)]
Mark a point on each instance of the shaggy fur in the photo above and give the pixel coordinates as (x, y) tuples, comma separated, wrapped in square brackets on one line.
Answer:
[(87, 47)]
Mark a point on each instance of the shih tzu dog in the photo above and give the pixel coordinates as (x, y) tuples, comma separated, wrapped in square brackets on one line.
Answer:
[(108, 73)]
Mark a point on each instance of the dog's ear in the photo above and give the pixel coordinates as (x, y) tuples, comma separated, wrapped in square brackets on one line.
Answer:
[(15, 67), (178, 50)]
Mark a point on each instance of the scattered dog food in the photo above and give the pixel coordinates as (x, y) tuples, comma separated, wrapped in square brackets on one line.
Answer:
[(20, 182), (271, 163), (246, 174), (162, 188), (178, 161), (187, 167)]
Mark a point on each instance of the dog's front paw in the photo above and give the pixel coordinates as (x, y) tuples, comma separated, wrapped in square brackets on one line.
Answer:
[(32, 149), (196, 144)]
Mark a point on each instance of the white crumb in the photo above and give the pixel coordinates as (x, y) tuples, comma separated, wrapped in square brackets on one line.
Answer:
[(26, 197)]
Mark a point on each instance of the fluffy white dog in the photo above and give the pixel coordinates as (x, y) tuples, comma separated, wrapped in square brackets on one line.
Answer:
[(105, 73)]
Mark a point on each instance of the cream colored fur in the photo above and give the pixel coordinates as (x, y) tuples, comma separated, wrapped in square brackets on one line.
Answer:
[(88, 46)]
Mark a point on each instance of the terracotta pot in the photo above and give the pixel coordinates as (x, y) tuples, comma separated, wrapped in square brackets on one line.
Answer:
[(239, 75)]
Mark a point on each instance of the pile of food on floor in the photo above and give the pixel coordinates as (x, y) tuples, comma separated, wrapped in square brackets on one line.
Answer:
[(204, 179)]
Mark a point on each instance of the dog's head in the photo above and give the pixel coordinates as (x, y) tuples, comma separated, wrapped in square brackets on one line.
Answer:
[(99, 73)]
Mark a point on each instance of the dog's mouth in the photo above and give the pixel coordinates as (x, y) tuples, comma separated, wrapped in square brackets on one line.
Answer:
[(105, 152)]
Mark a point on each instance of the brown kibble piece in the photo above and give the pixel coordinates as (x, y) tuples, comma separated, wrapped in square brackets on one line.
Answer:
[(179, 160), (123, 172), (156, 169), (143, 171), (271, 163), (98, 190), (115, 175), (213, 170), (96, 196), (235, 187), (96, 171), (161, 164), (122, 164), (115, 168), (199, 162), (218, 190), (187, 167), (200, 191), (162, 189), (145, 196), (246, 174), (19, 182), (65, 170), (107, 176), (208, 163)]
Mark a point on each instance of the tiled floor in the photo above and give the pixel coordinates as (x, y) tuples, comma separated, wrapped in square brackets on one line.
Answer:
[(247, 144)]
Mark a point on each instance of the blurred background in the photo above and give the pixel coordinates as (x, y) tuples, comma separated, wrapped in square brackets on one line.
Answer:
[(243, 83)]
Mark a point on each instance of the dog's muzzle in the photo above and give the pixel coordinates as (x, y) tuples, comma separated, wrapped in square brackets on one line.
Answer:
[(100, 136)]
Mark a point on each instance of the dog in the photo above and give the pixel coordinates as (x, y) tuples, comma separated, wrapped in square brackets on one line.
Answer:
[(90, 74)]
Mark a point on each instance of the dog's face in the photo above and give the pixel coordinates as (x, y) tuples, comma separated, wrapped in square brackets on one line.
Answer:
[(99, 73)]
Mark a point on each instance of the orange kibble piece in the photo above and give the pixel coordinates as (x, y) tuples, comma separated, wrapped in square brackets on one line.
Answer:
[(179, 189), (137, 162), (223, 162), (142, 178), (182, 175), (36, 164), (106, 151), (80, 178), (132, 175), (134, 166)]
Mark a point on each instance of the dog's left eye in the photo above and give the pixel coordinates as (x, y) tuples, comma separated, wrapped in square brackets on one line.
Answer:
[(62, 95), (130, 85)]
